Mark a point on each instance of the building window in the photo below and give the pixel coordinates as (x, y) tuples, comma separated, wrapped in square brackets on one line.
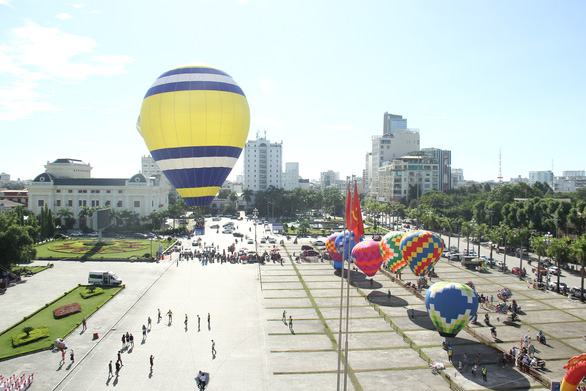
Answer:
[(119, 191), (119, 204), (82, 203), (107, 203), (58, 203), (107, 191), (70, 191), (70, 203), (41, 203), (58, 191), (95, 203), (137, 204)]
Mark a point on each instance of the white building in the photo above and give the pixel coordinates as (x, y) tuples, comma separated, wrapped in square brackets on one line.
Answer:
[(4, 177), (444, 160), (68, 183), (396, 178), (291, 176), (328, 178), (262, 164), (457, 177), (541, 176)]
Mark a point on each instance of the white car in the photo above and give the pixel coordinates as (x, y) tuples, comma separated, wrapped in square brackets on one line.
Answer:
[(553, 270), (94, 234), (250, 241), (319, 243), (272, 240)]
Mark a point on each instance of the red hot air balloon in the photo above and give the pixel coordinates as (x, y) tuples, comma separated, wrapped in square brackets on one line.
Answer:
[(367, 257)]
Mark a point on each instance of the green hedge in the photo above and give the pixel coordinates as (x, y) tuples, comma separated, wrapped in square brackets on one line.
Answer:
[(90, 291), (36, 334)]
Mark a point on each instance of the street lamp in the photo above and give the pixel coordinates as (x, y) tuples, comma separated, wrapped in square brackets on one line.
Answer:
[(548, 237), (473, 226), (255, 216)]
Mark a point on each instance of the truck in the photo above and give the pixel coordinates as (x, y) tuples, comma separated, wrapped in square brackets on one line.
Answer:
[(471, 262), (103, 278)]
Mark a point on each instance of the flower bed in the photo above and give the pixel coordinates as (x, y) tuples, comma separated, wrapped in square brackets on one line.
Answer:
[(66, 310)]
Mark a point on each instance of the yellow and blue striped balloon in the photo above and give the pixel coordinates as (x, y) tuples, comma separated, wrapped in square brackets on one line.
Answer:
[(195, 120)]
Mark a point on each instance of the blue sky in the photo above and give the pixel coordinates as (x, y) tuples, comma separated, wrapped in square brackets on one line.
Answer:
[(473, 76)]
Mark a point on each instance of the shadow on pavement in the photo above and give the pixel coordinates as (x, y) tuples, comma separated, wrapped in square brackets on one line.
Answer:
[(382, 299)]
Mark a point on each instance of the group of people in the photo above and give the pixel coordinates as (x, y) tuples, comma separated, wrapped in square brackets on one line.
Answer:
[(463, 365)]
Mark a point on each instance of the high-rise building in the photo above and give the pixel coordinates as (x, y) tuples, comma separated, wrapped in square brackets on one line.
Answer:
[(574, 173), (150, 169), (457, 177), (262, 164), (444, 159), (328, 178), (541, 176), (393, 123), (396, 178), (291, 176)]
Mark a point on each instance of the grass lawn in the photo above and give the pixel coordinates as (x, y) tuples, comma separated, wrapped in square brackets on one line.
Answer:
[(32, 269), (59, 328), (113, 248)]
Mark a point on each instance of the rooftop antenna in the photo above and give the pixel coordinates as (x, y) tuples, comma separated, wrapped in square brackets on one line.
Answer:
[(500, 176)]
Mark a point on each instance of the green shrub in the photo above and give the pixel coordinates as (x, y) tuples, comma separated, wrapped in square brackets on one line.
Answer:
[(90, 292), (146, 255), (34, 335)]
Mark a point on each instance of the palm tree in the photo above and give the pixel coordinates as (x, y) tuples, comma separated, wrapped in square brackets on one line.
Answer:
[(467, 231), (578, 248), (493, 236), (539, 246), (559, 249), (233, 197), (449, 224), (247, 195)]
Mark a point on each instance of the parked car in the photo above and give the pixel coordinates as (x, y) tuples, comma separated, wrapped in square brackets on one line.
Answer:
[(76, 234), (319, 243), (238, 234), (577, 292), (517, 271), (377, 238), (272, 240), (228, 231), (553, 270), (542, 270), (215, 226), (553, 286), (306, 247), (309, 253), (94, 234), (250, 241), (446, 254)]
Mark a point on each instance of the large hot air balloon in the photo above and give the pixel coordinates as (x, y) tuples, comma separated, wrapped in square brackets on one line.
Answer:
[(395, 261), (333, 251), (345, 243), (450, 306), (367, 257), (195, 120), (421, 250)]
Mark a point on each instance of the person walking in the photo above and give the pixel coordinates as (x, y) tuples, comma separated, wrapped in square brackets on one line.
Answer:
[(159, 316), (209, 323), (144, 333), (118, 366), (152, 361), (290, 323), (285, 316), (110, 374), (484, 373), (412, 313), (450, 354), (389, 294), (149, 323), (83, 325), (131, 340), (198, 319), (72, 356), (62, 357), (123, 341), (185, 322), (119, 361), (213, 349), (170, 315)]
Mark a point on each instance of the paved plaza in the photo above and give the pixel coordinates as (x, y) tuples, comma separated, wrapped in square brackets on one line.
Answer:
[(257, 350)]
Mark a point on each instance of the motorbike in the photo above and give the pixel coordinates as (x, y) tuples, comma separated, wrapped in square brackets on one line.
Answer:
[(538, 364)]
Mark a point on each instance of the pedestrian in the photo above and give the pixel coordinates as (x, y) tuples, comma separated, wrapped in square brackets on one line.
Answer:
[(412, 313), (209, 324), (389, 294), (123, 340), (159, 318), (149, 323), (484, 373), (72, 356), (491, 299), (170, 315), (450, 354), (213, 349), (127, 338), (185, 322), (118, 366), (83, 325), (478, 359), (110, 374), (290, 323), (62, 357), (131, 340), (285, 316), (465, 362), (119, 358), (152, 360), (371, 282), (198, 319), (144, 333)]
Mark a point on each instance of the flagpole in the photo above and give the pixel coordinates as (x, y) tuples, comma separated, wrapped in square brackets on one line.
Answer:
[(342, 287), (348, 301)]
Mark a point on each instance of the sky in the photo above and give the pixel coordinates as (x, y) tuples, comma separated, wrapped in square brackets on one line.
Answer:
[(475, 77)]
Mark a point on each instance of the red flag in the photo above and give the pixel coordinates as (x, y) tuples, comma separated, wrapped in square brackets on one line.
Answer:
[(348, 208), (357, 225)]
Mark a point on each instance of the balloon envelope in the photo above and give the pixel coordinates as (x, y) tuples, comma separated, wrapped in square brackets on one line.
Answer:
[(421, 250), (450, 306), (395, 262), (367, 257), (195, 121), (345, 243), (333, 251)]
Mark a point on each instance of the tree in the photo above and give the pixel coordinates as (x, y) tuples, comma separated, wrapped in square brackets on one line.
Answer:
[(578, 249), (559, 250), (467, 231), (65, 215), (539, 246), (247, 195), (16, 241), (223, 194)]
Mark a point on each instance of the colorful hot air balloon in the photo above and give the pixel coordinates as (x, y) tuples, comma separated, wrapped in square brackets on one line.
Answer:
[(195, 120), (395, 261), (333, 251), (450, 306), (367, 257), (421, 250), (345, 243)]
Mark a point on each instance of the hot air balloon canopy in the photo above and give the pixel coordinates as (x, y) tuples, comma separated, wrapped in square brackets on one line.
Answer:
[(395, 261), (333, 251), (367, 257), (421, 250), (450, 306), (195, 120)]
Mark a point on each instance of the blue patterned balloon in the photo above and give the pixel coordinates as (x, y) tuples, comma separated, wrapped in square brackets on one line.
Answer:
[(345, 237), (450, 306)]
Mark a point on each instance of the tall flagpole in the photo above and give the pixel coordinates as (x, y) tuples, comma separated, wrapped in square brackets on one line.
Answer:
[(348, 298), (342, 289)]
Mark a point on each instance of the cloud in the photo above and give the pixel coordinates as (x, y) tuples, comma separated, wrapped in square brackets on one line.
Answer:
[(344, 128), (63, 16), (6, 3), (34, 54)]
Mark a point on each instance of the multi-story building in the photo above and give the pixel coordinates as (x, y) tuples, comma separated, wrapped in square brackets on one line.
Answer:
[(68, 183), (4, 177), (328, 178), (444, 159), (574, 173), (291, 176), (262, 164), (396, 178), (392, 123), (541, 176), (457, 177)]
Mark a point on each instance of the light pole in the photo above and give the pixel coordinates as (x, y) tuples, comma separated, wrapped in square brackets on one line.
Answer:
[(548, 237), (473, 226), (255, 216)]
